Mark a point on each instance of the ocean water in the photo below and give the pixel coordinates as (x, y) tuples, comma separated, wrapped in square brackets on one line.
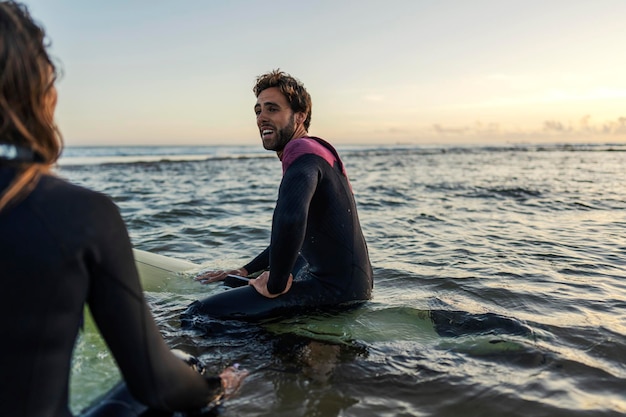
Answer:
[(500, 278)]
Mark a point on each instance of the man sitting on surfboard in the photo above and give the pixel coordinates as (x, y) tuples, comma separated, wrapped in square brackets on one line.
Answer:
[(317, 255)]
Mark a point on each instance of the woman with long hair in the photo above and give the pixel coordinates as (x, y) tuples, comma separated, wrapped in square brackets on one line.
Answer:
[(61, 247)]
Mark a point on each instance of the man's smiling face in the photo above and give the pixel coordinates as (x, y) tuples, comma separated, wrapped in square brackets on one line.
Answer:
[(275, 119)]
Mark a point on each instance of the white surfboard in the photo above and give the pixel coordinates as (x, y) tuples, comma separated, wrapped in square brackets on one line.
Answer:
[(155, 270), (159, 273)]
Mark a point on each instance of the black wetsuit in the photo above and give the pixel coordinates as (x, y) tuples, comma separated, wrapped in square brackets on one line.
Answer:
[(315, 220), (61, 247)]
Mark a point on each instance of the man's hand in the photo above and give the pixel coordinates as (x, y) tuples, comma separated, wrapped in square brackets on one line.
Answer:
[(260, 284), (232, 377), (213, 276)]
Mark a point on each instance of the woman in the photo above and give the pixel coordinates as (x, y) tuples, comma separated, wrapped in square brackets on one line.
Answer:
[(62, 246)]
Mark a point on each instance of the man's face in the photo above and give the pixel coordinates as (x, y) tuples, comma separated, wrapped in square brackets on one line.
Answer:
[(275, 119)]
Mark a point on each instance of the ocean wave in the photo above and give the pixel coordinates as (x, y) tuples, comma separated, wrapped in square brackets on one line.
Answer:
[(96, 155)]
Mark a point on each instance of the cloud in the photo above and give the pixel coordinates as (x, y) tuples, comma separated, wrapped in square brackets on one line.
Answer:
[(554, 126), (394, 131), (586, 126), (616, 128), (583, 128), (450, 130)]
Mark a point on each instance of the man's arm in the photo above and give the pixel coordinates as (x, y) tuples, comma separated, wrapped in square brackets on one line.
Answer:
[(289, 222), (260, 263)]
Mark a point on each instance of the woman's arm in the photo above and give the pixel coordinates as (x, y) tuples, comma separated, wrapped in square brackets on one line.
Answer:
[(153, 374)]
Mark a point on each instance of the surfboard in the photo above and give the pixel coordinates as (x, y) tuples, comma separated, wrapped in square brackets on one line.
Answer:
[(155, 270), (369, 324)]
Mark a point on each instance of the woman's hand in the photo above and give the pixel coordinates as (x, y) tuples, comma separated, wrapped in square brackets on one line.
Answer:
[(260, 284), (213, 276)]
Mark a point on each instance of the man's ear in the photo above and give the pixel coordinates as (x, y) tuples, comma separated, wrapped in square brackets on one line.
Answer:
[(300, 117)]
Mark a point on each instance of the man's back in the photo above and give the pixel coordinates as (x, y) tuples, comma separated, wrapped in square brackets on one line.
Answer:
[(315, 184)]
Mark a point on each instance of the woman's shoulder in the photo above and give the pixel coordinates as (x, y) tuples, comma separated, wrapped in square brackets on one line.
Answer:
[(58, 190)]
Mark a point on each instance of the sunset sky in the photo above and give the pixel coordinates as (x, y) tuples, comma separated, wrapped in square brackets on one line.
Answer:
[(385, 72)]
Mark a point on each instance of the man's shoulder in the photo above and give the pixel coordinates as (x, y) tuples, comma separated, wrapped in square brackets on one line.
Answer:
[(306, 146)]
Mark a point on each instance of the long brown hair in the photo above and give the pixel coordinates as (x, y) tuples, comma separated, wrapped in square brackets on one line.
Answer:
[(27, 76)]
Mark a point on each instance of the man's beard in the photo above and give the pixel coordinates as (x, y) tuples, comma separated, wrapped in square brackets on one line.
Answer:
[(283, 136)]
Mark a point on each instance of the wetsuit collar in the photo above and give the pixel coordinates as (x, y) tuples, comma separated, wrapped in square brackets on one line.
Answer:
[(280, 153), (17, 153)]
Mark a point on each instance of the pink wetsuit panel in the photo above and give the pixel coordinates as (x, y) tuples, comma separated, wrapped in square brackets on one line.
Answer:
[(297, 148)]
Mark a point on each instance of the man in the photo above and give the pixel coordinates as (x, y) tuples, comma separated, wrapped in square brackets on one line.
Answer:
[(316, 235)]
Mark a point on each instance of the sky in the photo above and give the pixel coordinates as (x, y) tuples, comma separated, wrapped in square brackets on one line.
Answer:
[(143, 72)]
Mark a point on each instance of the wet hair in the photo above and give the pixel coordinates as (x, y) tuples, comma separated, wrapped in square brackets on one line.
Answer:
[(297, 96), (27, 75)]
